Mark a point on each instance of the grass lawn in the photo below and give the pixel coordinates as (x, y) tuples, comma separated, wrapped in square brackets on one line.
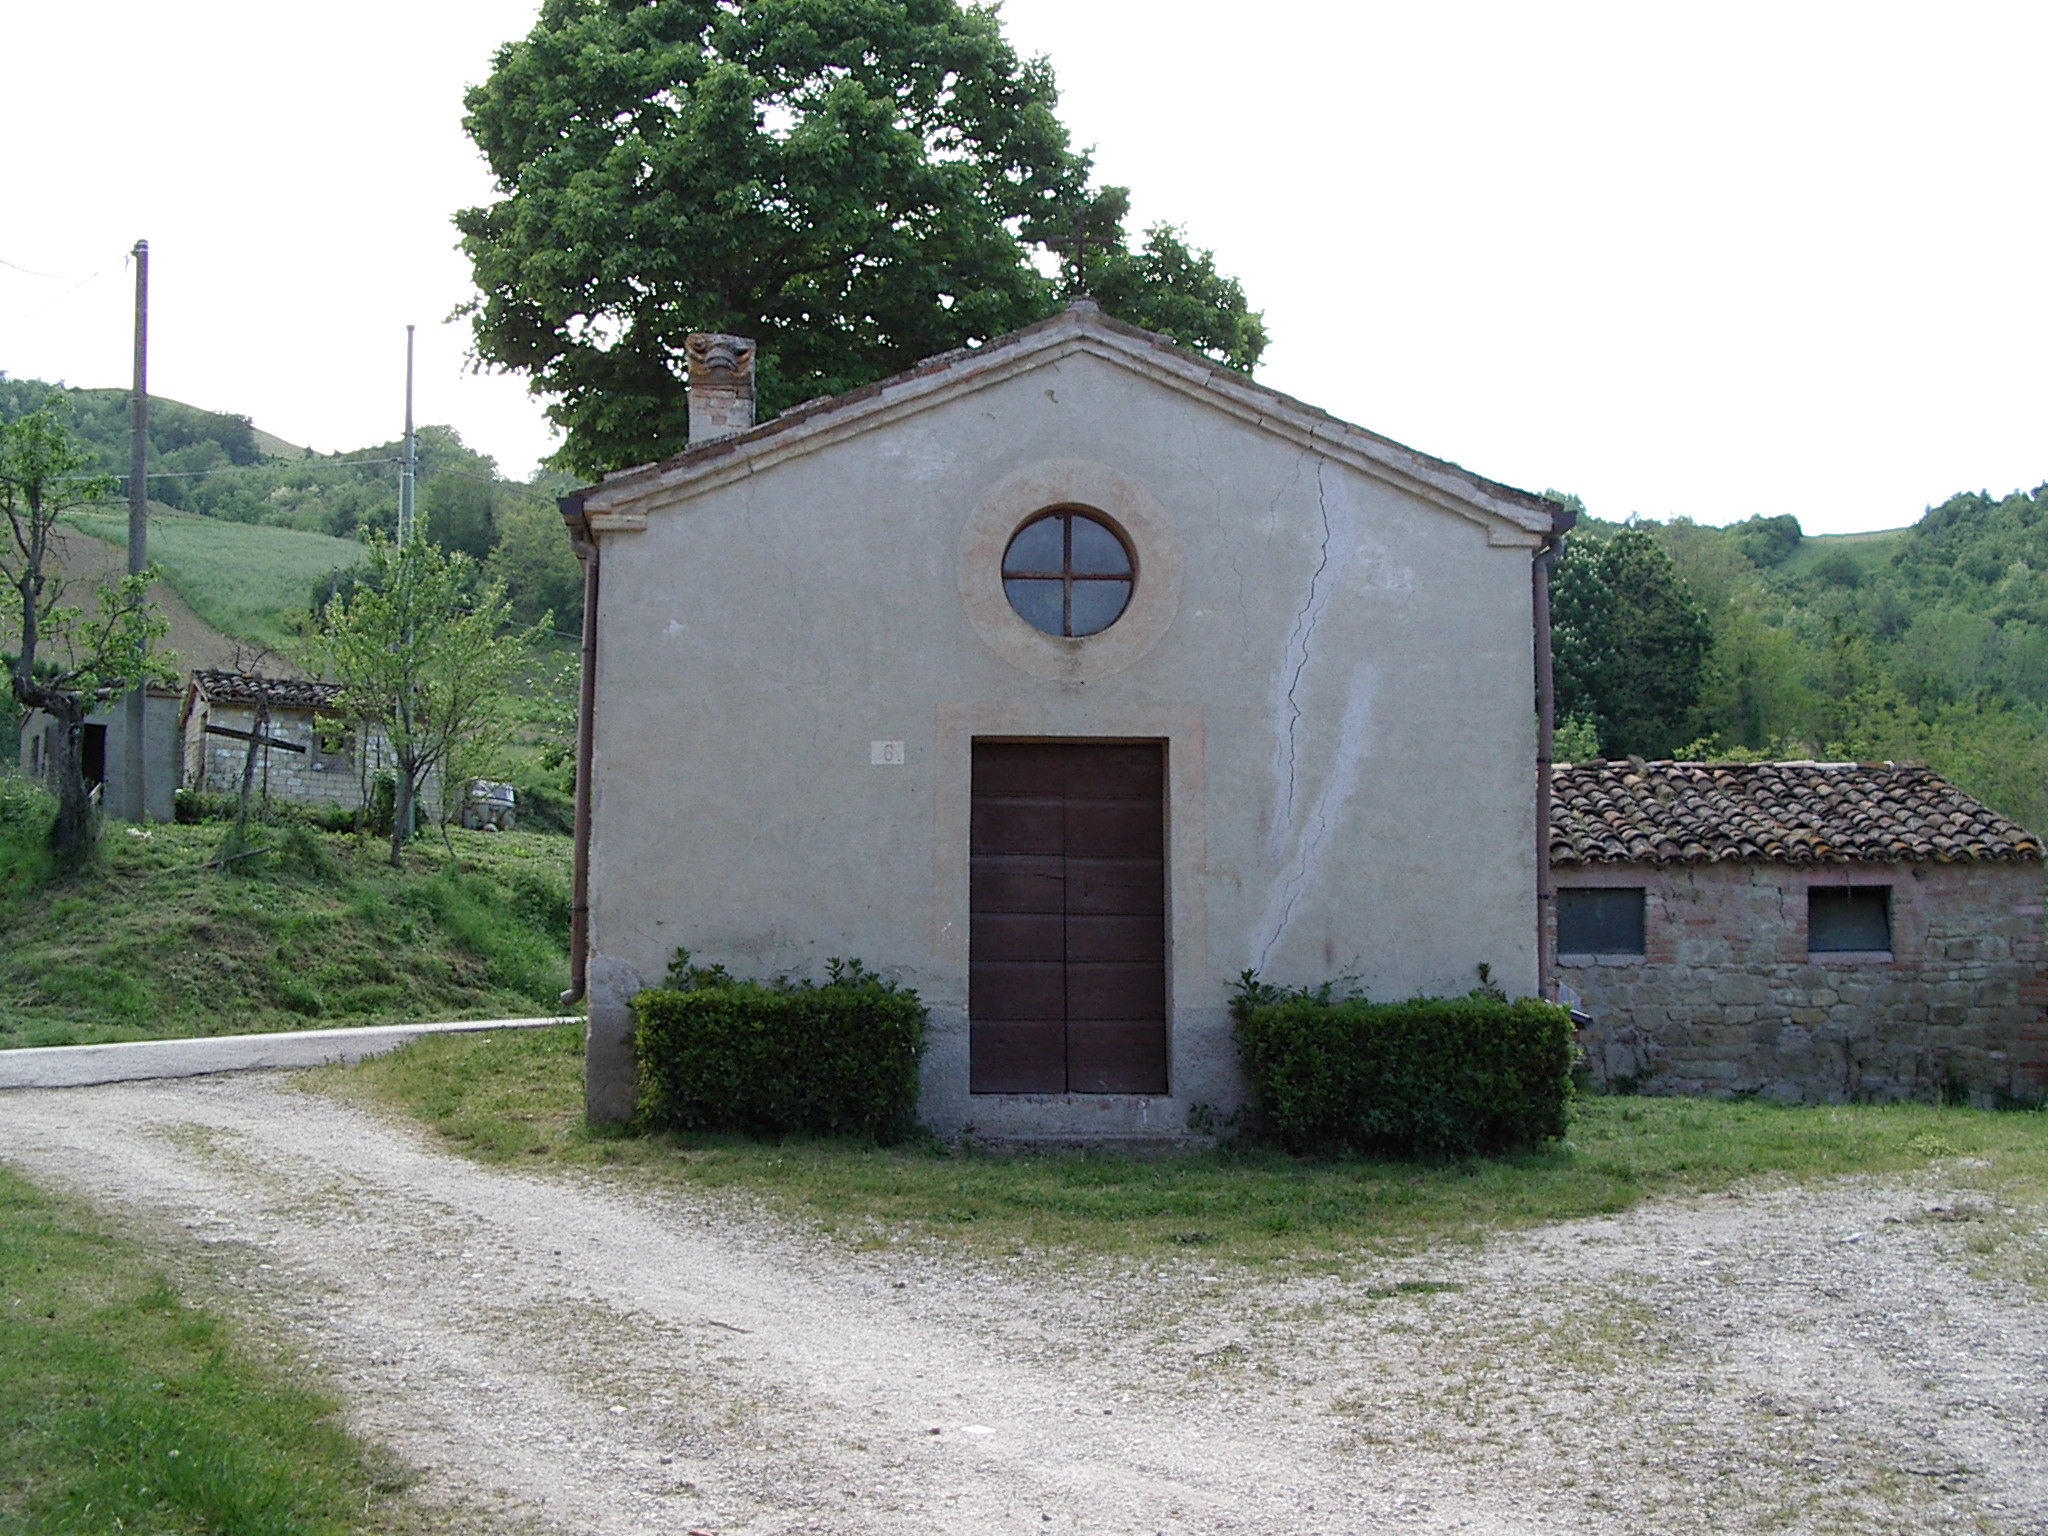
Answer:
[(126, 1410), (322, 932), (242, 578), (517, 1098)]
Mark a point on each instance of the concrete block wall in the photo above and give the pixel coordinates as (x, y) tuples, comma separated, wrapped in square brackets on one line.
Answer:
[(303, 778), (1726, 999)]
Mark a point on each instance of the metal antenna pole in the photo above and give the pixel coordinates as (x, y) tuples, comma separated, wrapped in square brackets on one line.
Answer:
[(134, 803), (409, 466)]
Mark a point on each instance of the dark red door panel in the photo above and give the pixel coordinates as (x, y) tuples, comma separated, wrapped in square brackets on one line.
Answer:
[(1066, 922)]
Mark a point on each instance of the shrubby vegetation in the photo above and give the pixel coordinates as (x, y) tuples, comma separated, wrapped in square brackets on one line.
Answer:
[(1430, 1077), (781, 1057)]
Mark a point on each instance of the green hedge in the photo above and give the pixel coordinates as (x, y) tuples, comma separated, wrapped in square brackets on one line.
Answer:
[(714, 1053), (1432, 1077)]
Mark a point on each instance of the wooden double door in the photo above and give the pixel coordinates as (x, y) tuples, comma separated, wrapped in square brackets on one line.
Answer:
[(1066, 984)]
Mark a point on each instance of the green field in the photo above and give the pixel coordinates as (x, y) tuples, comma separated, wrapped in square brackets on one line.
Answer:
[(244, 579), (1868, 551)]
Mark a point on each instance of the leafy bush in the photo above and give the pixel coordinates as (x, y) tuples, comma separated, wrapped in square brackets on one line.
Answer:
[(717, 1053), (190, 807), (1430, 1077), (27, 812), (544, 805), (382, 811)]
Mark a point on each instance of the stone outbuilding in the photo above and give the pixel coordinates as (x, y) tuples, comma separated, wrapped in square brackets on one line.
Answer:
[(310, 752), (103, 751), (1822, 932), (1062, 678)]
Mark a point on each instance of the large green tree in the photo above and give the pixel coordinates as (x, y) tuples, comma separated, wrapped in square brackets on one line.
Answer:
[(1629, 642), (855, 184), (68, 661)]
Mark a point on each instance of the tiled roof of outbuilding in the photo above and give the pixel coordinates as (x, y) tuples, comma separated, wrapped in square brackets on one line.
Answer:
[(241, 688), (1783, 813)]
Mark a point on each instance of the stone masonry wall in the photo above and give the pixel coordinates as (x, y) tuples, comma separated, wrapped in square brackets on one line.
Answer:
[(1727, 1000), (214, 763)]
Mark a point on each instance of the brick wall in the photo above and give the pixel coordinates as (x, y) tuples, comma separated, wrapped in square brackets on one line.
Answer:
[(1726, 998)]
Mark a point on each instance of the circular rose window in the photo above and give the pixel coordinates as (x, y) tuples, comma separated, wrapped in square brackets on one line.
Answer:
[(1068, 573)]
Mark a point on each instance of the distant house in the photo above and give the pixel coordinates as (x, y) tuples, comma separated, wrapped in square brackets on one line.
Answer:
[(103, 750), (310, 750), (1802, 931)]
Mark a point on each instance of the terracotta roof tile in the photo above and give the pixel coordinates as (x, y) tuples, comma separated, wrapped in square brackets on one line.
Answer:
[(241, 688), (1782, 813)]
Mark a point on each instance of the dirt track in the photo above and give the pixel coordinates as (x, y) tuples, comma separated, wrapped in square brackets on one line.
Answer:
[(572, 1355)]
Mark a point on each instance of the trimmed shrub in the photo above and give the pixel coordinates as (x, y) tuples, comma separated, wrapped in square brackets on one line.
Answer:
[(767, 1059), (1433, 1077)]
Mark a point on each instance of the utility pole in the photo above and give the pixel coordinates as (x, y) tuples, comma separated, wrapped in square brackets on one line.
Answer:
[(135, 801), (408, 467)]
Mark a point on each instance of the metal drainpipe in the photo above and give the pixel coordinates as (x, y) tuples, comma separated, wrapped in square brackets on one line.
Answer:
[(586, 703), (1561, 521), (1545, 745)]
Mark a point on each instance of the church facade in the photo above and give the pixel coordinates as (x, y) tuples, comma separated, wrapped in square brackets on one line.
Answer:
[(1065, 679)]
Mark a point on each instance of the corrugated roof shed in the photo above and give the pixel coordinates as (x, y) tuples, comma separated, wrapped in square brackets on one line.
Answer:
[(1784, 813)]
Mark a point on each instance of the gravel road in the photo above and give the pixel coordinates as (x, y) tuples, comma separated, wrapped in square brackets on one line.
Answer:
[(577, 1354)]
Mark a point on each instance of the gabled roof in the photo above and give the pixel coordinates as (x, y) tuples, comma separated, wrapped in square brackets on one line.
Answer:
[(1782, 813), (623, 499), (220, 687)]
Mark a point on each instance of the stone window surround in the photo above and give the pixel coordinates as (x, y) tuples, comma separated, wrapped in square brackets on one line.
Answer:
[(1111, 496), (957, 725)]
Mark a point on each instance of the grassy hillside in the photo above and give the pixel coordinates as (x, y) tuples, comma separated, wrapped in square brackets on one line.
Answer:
[(84, 562), (244, 579), (321, 933)]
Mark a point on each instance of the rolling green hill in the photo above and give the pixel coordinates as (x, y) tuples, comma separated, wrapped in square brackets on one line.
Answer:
[(1925, 642), (220, 466), (244, 579)]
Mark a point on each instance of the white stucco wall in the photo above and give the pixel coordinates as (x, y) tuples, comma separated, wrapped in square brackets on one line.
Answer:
[(1344, 684)]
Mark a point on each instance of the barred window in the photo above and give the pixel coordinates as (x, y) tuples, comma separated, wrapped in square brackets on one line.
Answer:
[(1600, 921), (1848, 919)]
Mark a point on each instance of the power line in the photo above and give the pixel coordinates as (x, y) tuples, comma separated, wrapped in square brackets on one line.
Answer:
[(54, 277)]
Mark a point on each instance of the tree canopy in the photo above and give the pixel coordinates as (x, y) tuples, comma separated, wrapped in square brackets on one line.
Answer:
[(855, 185), (1630, 643), (426, 654)]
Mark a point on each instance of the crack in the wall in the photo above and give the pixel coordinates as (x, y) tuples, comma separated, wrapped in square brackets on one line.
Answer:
[(1352, 746), (1296, 663)]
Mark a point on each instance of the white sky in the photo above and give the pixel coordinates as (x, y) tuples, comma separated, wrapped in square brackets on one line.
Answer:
[(1747, 258)]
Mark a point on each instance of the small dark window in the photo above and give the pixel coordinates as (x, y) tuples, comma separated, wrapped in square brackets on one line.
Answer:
[(333, 750), (1600, 922), (1846, 918), (1068, 574)]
